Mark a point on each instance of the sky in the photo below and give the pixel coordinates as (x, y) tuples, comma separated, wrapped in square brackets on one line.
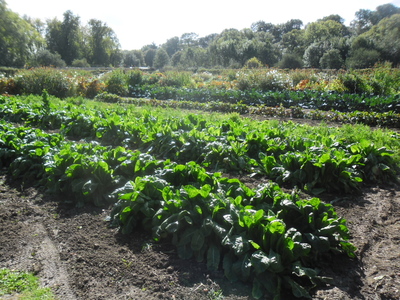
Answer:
[(139, 23)]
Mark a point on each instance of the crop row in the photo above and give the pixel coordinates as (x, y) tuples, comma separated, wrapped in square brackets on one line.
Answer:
[(388, 119), (306, 99), (316, 160), (273, 239)]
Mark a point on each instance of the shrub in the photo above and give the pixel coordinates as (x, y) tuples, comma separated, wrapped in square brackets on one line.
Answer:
[(44, 58), (331, 59), (135, 78), (177, 79), (116, 83), (80, 63), (107, 97), (362, 58), (89, 87), (34, 81), (354, 83), (253, 63), (290, 61), (152, 78), (266, 80)]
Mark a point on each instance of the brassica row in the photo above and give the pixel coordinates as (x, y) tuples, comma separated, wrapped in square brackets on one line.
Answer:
[(290, 154)]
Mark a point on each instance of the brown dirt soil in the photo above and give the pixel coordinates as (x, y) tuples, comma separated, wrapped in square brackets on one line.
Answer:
[(74, 252)]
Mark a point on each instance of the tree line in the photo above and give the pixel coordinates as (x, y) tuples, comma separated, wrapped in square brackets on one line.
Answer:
[(372, 37)]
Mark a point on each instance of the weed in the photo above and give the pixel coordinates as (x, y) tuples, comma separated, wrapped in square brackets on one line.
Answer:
[(24, 284)]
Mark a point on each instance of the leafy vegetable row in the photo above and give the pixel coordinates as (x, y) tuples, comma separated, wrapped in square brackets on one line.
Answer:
[(308, 99), (270, 238), (288, 153)]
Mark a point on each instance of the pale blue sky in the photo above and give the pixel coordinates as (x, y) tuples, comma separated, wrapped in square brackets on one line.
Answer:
[(138, 23)]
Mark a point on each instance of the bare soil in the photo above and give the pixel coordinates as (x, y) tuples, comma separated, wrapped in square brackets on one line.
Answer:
[(75, 252)]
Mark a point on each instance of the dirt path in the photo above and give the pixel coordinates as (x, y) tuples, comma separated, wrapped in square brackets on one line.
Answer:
[(75, 253)]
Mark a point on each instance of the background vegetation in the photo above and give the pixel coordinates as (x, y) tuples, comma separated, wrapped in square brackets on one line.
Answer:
[(327, 43)]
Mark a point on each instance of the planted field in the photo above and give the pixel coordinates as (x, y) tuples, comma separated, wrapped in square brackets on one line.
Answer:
[(235, 194)]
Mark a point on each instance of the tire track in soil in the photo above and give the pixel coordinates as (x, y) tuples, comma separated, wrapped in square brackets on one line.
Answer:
[(54, 272), (39, 254), (29, 247)]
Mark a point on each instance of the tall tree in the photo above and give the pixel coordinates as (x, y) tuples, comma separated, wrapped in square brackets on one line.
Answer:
[(71, 41), (172, 45), (161, 59), (149, 56), (366, 18), (103, 44), (386, 38), (65, 37), (324, 30), (189, 39), (18, 38), (54, 35), (362, 22)]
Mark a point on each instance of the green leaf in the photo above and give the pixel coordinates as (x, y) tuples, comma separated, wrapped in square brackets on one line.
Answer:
[(239, 244), (213, 257), (192, 191), (197, 240), (227, 265), (198, 209), (187, 236), (324, 158), (89, 187), (185, 251), (262, 262), (172, 227), (258, 289), (276, 226), (297, 290), (129, 225), (242, 267)]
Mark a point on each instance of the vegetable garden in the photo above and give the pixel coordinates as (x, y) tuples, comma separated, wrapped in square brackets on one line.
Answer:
[(172, 174)]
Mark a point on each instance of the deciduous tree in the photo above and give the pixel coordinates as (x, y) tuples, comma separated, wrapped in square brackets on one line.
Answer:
[(18, 38)]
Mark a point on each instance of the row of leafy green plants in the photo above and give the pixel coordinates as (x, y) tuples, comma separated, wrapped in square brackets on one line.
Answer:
[(163, 175), (288, 154), (388, 119), (306, 99)]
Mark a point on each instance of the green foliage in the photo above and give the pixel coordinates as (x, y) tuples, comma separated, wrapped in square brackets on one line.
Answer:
[(270, 80), (24, 284), (253, 63), (177, 79), (385, 35), (290, 61), (362, 58), (135, 78), (56, 82), (44, 58), (107, 97), (161, 59), (46, 102), (80, 63), (116, 83), (332, 59), (218, 223), (354, 83), (18, 38)]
